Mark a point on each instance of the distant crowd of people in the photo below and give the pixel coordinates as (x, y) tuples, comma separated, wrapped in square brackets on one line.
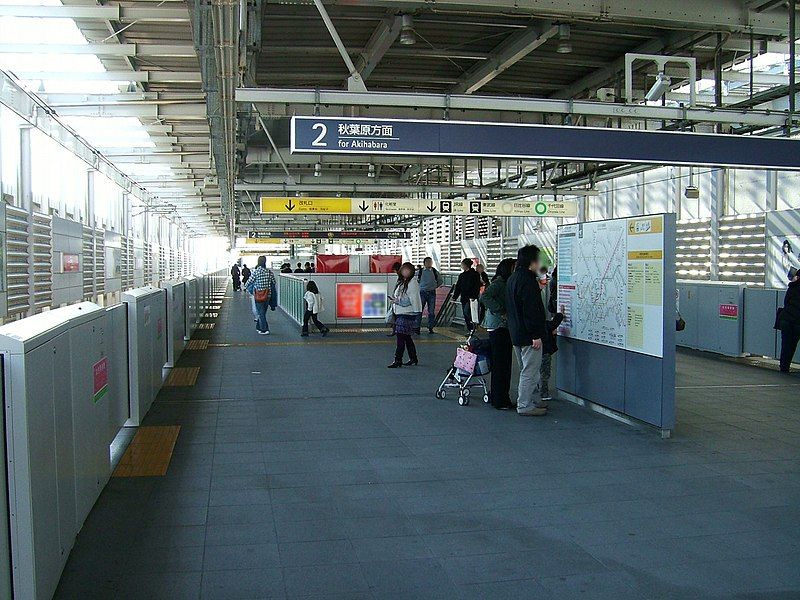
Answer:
[(301, 268)]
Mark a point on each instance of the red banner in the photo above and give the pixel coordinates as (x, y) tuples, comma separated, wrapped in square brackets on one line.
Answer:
[(333, 263), (383, 263)]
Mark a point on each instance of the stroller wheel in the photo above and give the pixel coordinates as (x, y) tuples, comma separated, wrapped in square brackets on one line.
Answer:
[(466, 392), (463, 400), (438, 394), (441, 394), (486, 398)]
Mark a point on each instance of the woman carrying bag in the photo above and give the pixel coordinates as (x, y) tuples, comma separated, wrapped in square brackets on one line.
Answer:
[(494, 301), (406, 305)]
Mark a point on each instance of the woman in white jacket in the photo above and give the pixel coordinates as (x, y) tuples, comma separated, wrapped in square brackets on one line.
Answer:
[(313, 300), (406, 306)]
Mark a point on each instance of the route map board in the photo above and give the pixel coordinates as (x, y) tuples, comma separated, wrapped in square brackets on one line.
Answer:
[(611, 283)]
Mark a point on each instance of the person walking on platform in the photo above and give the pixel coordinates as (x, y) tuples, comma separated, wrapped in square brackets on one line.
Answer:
[(789, 322), (313, 302), (406, 305), (494, 300), (429, 279), (526, 324), (262, 286), (245, 274), (299, 268), (236, 276), (468, 288)]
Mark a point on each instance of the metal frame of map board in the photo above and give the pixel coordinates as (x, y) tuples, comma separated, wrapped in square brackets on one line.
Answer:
[(623, 383)]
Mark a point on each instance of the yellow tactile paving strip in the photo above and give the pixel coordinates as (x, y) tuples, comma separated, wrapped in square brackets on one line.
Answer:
[(324, 342), (149, 453), (197, 344), (182, 376), (206, 326)]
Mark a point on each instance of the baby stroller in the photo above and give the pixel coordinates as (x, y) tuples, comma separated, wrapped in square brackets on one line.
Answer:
[(469, 370)]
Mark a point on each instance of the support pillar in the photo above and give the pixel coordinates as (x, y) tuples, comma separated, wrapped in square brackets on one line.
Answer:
[(26, 202), (718, 201), (90, 221), (772, 190)]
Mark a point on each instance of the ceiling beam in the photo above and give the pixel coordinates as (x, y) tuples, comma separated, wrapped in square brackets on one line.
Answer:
[(510, 51), (135, 76), (697, 15), (98, 13), (103, 50), (379, 43), (305, 102), (377, 189)]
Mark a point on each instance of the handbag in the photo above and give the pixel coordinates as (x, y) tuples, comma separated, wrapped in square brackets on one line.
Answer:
[(680, 324), (777, 324), (465, 360), (390, 316), (262, 295)]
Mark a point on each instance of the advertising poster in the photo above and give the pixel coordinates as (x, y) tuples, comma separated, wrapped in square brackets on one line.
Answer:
[(360, 300), (373, 300), (70, 263), (348, 300)]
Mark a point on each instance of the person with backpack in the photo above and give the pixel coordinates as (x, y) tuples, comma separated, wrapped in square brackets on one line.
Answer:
[(429, 279), (313, 302), (262, 286)]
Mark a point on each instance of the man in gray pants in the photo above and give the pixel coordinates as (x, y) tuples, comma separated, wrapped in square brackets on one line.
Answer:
[(429, 280), (527, 326)]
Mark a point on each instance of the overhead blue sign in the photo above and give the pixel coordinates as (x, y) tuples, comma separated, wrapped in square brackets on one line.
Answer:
[(335, 135)]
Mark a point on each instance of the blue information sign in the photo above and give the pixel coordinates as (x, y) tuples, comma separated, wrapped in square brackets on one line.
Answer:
[(501, 140)]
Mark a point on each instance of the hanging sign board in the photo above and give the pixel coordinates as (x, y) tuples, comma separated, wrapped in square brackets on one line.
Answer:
[(341, 135), (267, 236), (416, 206)]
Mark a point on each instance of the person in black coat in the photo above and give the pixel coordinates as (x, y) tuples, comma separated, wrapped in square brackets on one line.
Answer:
[(527, 324), (789, 322), (236, 276), (468, 288), (245, 274)]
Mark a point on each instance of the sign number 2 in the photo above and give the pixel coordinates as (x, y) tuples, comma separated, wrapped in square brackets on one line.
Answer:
[(323, 131)]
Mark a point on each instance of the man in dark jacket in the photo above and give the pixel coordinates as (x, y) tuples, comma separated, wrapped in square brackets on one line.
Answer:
[(468, 288), (527, 326), (789, 323)]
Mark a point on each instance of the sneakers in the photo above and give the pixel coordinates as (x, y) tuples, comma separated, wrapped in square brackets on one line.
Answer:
[(264, 332), (533, 412)]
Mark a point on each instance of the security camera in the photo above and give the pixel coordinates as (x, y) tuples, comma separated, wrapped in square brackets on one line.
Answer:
[(660, 87)]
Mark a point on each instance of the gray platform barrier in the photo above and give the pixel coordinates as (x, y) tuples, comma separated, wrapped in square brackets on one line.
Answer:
[(714, 315), (192, 305), (59, 388), (176, 319), (147, 344)]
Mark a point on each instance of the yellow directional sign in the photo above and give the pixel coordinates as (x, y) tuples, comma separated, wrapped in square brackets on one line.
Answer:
[(418, 206), (290, 205)]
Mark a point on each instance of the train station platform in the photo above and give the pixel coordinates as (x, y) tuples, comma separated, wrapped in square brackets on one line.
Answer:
[(303, 468)]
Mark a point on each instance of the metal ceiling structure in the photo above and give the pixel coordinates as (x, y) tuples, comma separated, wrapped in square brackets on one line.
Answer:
[(214, 82)]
